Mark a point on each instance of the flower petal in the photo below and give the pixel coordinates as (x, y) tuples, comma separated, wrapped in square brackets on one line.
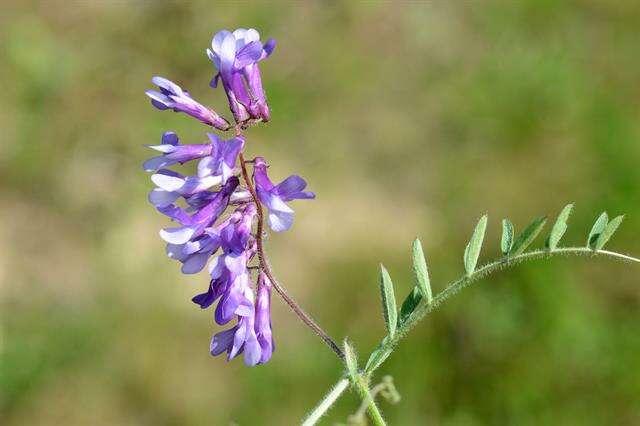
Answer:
[(290, 185), (175, 251), (170, 138), (252, 349), (280, 221), (168, 183), (269, 47), (207, 166), (161, 198), (164, 101), (166, 148), (194, 263), (167, 85), (222, 341), (251, 35), (276, 203), (216, 42), (227, 52), (179, 235), (249, 54), (155, 163)]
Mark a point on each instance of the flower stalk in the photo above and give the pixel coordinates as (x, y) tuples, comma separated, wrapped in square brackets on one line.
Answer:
[(266, 268)]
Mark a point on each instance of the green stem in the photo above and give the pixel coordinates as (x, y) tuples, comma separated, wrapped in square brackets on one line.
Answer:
[(360, 383), (326, 403), (389, 343)]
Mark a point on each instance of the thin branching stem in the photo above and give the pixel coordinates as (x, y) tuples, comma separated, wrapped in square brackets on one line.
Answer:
[(459, 284)]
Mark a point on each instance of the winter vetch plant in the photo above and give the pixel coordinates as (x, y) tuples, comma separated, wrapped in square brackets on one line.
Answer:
[(222, 212)]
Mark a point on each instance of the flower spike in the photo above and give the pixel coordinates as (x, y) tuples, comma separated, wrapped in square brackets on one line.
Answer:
[(218, 219)]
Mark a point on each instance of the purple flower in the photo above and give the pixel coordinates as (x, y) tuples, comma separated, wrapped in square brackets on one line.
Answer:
[(194, 225), (194, 254), (275, 197), (236, 56), (222, 157), (173, 152), (172, 185), (171, 96), (231, 279), (232, 235), (263, 318), (252, 335), (240, 338), (216, 166)]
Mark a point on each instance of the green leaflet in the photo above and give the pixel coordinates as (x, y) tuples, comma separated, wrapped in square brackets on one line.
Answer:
[(559, 228), (378, 356), (472, 252), (388, 301), (507, 236), (527, 236), (608, 232), (597, 229), (420, 271), (410, 303)]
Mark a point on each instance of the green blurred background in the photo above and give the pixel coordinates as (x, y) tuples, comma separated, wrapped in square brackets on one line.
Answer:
[(408, 119)]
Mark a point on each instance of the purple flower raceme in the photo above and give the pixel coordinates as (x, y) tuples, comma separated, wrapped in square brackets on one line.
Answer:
[(236, 56), (171, 96), (275, 197), (214, 213)]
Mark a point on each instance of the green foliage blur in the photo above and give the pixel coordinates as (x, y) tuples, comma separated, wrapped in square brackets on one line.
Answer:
[(407, 119)]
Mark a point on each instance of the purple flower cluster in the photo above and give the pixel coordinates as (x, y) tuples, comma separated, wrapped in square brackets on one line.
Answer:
[(215, 214), (236, 56)]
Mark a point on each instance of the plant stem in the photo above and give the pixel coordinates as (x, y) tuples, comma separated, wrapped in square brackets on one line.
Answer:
[(459, 284), (326, 403), (360, 383), (264, 266)]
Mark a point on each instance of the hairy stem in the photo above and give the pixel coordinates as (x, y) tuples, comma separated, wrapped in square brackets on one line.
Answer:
[(265, 267), (328, 401), (389, 343), (362, 387)]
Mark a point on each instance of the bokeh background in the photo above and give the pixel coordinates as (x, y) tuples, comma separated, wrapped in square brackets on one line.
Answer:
[(408, 119)]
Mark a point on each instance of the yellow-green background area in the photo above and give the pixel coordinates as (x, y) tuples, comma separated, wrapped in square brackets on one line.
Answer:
[(407, 119)]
